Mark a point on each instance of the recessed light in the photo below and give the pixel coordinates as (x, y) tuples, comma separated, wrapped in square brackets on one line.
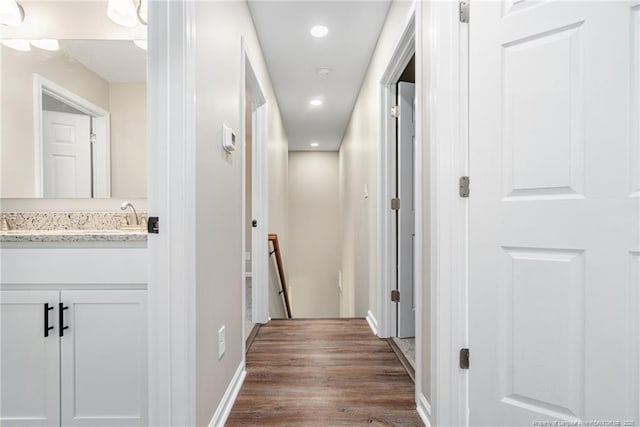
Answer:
[(314, 144), (21, 45), (46, 44), (319, 31), (315, 102), (142, 44)]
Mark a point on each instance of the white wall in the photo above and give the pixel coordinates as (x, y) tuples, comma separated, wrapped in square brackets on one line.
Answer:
[(314, 233), (219, 259), (128, 108)]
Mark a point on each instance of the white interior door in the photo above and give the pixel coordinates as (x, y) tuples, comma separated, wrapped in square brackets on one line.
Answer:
[(406, 214), (554, 211), (104, 358), (67, 154), (30, 361)]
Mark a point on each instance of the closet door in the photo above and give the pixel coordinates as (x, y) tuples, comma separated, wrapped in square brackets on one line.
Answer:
[(104, 358), (29, 359)]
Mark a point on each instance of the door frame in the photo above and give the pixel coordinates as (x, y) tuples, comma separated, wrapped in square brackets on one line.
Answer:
[(404, 50), (259, 197), (446, 124), (101, 152), (171, 96)]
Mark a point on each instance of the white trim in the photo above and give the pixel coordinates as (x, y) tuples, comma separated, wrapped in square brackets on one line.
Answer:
[(101, 169), (447, 118), (405, 48), (260, 198), (171, 171), (424, 410), (421, 93), (229, 398), (373, 322)]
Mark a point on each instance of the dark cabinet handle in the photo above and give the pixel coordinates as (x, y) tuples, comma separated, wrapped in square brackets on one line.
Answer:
[(47, 328), (61, 309)]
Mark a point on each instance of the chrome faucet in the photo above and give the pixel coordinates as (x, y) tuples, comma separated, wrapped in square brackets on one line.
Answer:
[(124, 207)]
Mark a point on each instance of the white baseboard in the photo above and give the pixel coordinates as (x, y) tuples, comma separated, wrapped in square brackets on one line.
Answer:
[(229, 398), (424, 410), (373, 323)]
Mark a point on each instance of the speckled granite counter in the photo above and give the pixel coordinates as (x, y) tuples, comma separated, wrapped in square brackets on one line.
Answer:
[(68, 227)]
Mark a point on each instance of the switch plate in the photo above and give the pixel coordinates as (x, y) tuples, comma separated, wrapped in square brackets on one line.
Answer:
[(221, 342)]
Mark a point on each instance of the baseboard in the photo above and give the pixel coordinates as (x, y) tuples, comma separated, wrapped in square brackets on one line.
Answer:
[(373, 323), (424, 410), (229, 398)]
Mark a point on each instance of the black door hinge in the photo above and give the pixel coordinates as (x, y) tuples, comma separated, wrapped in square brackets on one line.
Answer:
[(464, 358), (395, 295), (153, 226), (463, 186)]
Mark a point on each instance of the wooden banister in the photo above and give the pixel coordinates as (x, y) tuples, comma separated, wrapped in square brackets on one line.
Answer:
[(273, 238)]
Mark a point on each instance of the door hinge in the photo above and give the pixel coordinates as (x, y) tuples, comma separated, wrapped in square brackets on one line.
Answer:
[(395, 111), (395, 204), (463, 6), (464, 358), (464, 186), (153, 225), (395, 295), (92, 138)]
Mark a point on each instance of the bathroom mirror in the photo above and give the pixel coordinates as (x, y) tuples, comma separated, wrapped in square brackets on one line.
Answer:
[(73, 119)]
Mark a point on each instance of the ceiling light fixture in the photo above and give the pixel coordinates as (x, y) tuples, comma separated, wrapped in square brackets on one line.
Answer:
[(127, 13), (315, 102), (21, 45), (319, 31), (314, 144), (46, 44), (142, 44), (11, 13)]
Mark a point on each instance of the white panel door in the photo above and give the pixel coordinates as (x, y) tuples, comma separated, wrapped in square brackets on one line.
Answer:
[(406, 214), (104, 358), (553, 212), (30, 361), (67, 154)]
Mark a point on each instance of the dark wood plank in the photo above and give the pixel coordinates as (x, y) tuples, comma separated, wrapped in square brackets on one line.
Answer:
[(323, 373)]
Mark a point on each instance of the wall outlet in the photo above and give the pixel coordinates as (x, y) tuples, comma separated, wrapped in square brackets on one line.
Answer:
[(247, 256), (221, 342), (340, 280)]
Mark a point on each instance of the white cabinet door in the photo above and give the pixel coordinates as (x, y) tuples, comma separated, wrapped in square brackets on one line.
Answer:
[(104, 358), (554, 212), (30, 362)]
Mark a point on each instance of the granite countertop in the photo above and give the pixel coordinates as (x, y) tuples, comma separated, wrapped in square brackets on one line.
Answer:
[(68, 227), (73, 236)]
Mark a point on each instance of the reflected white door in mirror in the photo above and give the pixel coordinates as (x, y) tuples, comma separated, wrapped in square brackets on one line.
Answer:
[(73, 144)]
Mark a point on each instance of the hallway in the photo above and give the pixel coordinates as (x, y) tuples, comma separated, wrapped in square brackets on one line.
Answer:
[(321, 373)]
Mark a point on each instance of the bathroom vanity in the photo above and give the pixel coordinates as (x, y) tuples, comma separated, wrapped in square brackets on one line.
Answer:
[(73, 320)]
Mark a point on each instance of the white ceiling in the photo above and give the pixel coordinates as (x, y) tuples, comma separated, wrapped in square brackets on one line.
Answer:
[(116, 61), (293, 56)]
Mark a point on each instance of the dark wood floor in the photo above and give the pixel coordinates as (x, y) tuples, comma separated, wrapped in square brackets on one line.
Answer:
[(323, 373)]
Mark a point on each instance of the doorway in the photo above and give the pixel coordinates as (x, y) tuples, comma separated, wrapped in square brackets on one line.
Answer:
[(255, 199), (72, 144), (403, 215)]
